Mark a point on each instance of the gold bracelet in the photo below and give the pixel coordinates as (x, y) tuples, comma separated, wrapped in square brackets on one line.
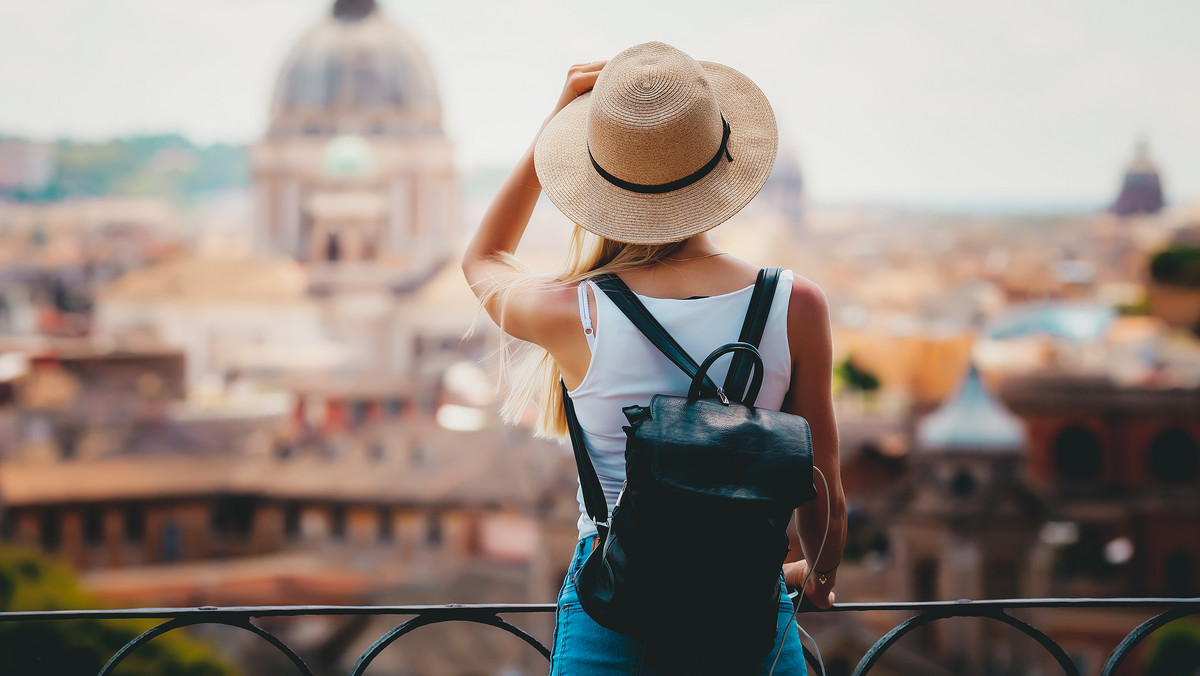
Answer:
[(823, 575)]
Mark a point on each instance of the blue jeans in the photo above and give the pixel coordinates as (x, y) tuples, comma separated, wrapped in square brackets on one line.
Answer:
[(584, 648)]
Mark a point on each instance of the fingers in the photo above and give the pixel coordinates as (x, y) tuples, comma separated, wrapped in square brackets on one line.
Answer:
[(794, 573), (588, 67), (582, 76), (579, 82), (822, 600), (587, 78)]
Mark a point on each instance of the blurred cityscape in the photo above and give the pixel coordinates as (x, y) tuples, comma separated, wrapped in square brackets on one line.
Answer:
[(244, 376)]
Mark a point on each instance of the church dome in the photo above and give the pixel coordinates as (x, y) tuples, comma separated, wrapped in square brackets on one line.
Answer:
[(971, 420), (1141, 190), (356, 72)]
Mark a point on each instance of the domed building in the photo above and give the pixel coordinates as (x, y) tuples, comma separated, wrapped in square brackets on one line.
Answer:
[(355, 177), (1141, 191), (969, 526)]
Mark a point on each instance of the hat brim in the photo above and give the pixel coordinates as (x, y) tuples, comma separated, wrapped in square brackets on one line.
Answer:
[(565, 170)]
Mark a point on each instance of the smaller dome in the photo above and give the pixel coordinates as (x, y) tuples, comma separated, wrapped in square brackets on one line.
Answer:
[(352, 10), (1141, 190), (971, 420)]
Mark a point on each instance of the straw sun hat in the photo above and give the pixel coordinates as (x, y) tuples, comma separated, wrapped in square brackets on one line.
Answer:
[(641, 158)]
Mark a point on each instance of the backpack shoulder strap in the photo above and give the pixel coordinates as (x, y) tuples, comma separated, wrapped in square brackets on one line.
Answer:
[(752, 330), (593, 493), (629, 305)]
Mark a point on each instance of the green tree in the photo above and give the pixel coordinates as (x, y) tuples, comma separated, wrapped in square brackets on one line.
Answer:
[(30, 581), (1175, 650), (854, 377)]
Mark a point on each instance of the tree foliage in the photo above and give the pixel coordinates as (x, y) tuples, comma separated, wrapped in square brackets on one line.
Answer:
[(856, 378), (30, 581), (1177, 266), (1175, 650), (166, 165)]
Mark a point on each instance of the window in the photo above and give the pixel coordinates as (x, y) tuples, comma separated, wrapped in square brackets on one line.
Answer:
[(291, 521), (395, 407), (433, 530), (50, 535), (135, 524), (93, 526), (963, 485), (1174, 457), (337, 522), (233, 515), (359, 411), (1077, 454), (387, 525), (68, 440), (172, 542), (333, 250)]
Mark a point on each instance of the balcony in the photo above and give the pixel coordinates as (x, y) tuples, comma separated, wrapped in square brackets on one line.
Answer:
[(1161, 610)]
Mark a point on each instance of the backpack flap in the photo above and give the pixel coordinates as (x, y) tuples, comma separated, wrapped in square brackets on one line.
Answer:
[(733, 452)]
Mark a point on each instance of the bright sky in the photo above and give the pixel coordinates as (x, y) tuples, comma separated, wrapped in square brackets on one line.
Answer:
[(914, 101)]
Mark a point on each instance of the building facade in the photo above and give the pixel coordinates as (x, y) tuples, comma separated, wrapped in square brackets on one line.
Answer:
[(354, 175)]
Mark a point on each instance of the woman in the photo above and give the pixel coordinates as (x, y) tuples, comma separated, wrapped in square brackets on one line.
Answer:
[(662, 150)]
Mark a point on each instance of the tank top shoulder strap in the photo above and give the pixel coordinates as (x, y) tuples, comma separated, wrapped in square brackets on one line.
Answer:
[(585, 315)]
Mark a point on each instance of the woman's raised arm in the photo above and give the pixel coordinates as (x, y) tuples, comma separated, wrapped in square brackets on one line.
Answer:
[(484, 262)]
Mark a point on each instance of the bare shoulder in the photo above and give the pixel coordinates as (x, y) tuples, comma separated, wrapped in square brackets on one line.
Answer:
[(808, 327), (810, 342), (542, 313), (807, 303), (548, 316)]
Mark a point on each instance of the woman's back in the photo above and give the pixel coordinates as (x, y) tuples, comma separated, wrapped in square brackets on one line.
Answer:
[(626, 369)]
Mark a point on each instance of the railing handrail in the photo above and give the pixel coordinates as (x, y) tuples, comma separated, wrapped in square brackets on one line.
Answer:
[(507, 608), (274, 611)]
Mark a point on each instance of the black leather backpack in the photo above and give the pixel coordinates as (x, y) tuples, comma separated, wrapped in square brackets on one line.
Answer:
[(690, 560)]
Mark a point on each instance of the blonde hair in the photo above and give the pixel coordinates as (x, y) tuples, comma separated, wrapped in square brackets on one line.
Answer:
[(529, 372)]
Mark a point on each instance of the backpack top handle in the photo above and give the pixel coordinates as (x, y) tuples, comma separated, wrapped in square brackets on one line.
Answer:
[(755, 383)]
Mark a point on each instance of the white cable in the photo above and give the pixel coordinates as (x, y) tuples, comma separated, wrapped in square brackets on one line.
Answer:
[(804, 585)]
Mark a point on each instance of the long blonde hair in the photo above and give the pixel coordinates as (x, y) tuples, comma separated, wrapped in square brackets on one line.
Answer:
[(529, 373)]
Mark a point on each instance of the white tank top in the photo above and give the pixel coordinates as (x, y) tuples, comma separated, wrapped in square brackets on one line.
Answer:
[(626, 369)]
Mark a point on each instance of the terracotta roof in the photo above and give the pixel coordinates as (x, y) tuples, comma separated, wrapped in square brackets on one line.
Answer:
[(225, 281), (110, 479)]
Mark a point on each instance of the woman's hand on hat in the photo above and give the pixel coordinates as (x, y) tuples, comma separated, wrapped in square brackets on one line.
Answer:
[(580, 78), (821, 595)]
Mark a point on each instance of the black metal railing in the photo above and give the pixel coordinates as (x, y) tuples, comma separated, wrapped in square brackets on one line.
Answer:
[(1167, 610)]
